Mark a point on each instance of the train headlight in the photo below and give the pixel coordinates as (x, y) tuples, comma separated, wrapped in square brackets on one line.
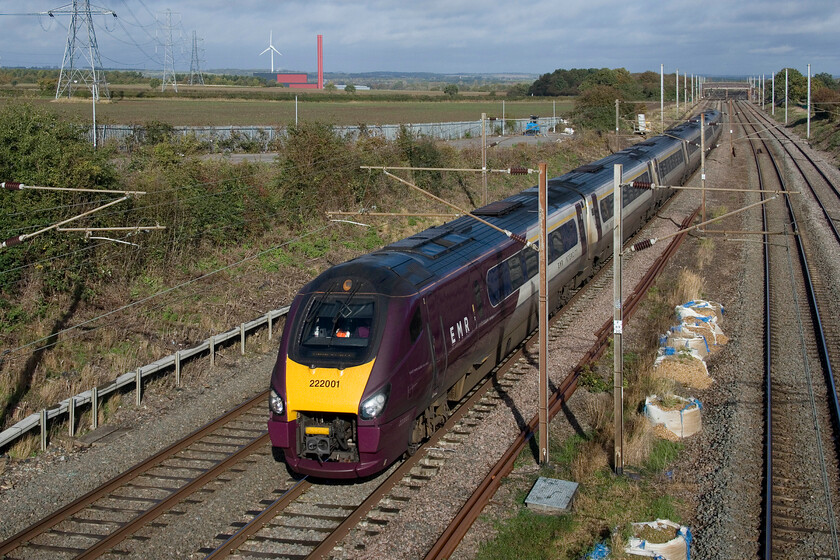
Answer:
[(275, 402), (373, 406)]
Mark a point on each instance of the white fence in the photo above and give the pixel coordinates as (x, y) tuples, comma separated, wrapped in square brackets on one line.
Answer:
[(219, 135), (67, 407)]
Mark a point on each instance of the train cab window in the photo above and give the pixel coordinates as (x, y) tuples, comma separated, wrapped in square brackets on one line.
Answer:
[(336, 331), (350, 323), (416, 326)]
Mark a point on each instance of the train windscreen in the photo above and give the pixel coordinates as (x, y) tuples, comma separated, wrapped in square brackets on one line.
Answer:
[(336, 331)]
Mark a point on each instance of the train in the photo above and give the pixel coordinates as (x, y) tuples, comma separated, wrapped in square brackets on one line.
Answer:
[(376, 350)]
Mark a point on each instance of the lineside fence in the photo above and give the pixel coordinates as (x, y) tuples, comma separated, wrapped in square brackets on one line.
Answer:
[(68, 408), (227, 137)]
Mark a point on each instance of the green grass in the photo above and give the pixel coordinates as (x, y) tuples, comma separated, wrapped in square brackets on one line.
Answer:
[(526, 536), (663, 453)]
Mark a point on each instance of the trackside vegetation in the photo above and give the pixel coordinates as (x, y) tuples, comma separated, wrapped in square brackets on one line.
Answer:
[(240, 238)]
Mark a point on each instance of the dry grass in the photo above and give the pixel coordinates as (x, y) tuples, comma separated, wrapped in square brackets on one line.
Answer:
[(689, 286), (591, 458), (641, 379), (26, 446)]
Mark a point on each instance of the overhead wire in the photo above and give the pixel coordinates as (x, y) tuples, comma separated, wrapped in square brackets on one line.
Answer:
[(146, 207), (58, 334)]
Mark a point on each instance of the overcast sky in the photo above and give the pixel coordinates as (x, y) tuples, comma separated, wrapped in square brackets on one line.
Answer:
[(715, 37)]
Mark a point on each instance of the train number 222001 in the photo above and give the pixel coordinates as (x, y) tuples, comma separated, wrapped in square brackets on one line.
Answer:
[(324, 383)]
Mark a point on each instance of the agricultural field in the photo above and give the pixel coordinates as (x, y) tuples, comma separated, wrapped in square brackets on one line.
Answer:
[(357, 108)]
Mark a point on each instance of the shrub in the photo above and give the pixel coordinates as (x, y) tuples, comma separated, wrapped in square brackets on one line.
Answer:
[(318, 168)]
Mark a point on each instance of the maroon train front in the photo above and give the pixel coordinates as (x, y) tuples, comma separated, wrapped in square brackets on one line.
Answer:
[(375, 350)]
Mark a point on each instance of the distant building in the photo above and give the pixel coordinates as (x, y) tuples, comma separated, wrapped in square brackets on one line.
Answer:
[(293, 81)]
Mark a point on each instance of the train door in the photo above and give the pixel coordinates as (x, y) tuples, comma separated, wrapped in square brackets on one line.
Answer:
[(437, 347), (596, 217), (584, 244), (657, 194), (585, 259)]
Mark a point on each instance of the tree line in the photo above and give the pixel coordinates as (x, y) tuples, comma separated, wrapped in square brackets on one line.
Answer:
[(596, 90)]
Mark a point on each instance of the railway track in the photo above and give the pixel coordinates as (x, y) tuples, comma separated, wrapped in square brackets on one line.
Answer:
[(305, 520), (268, 533), (801, 468), (100, 520), (300, 519)]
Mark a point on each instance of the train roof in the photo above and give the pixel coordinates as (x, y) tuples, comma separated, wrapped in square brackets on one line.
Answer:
[(414, 262)]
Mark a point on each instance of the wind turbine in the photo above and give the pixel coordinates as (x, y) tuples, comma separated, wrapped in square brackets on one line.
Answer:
[(271, 49)]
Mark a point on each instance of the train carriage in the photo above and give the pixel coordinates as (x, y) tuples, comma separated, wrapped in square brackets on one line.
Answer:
[(376, 349)]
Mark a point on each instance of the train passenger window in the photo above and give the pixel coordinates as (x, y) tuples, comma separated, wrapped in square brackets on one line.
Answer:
[(607, 207), (555, 245), (517, 278), (562, 240), (504, 279), (570, 235), (532, 262), (630, 194), (416, 326)]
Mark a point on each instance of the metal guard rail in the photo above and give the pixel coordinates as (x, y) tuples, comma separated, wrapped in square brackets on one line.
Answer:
[(34, 420)]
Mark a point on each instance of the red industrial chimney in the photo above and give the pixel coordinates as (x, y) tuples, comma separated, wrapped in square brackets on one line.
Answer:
[(320, 62)]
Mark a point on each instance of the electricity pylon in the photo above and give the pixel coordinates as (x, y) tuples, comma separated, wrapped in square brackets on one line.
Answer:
[(195, 64), (169, 56), (81, 46)]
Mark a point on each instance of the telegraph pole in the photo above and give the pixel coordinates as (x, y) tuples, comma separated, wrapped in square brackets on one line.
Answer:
[(618, 327), (543, 316), (484, 156), (677, 76), (808, 135), (662, 96)]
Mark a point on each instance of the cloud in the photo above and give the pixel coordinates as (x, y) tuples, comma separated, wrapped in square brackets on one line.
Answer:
[(454, 36)]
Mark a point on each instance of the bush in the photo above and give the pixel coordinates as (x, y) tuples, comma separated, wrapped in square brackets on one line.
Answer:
[(826, 104), (37, 148), (317, 168)]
